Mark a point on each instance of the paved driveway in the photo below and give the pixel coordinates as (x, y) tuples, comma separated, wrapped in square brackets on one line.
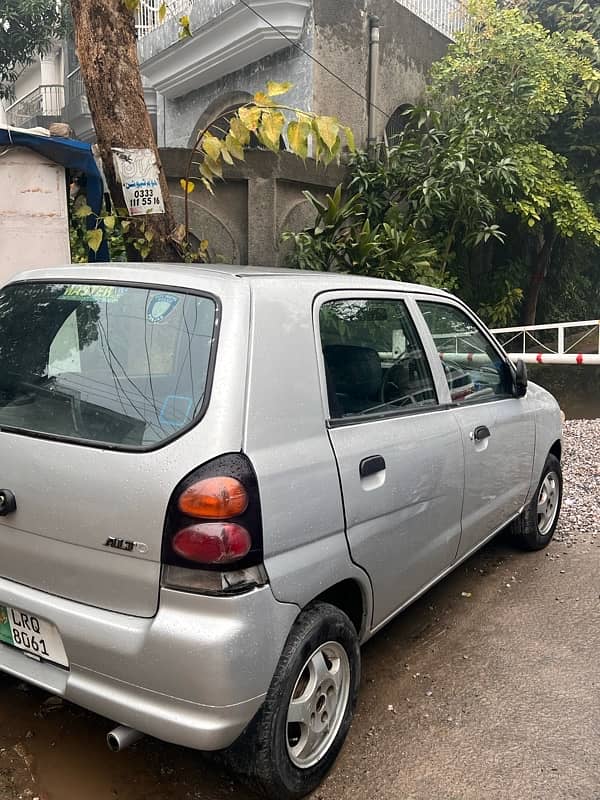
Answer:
[(486, 688)]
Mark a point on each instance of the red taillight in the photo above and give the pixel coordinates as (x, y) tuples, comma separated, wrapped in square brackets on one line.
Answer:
[(216, 498), (212, 542)]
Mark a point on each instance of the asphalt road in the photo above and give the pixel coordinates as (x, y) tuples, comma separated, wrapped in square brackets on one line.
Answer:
[(485, 688)]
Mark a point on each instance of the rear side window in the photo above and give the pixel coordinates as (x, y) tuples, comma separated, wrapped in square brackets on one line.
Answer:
[(374, 361), (123, 366)]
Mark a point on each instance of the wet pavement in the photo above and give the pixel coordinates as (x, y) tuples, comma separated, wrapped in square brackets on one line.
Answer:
[(485, 688)]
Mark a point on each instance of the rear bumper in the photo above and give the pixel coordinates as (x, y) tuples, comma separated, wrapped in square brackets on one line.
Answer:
[(195, 674)]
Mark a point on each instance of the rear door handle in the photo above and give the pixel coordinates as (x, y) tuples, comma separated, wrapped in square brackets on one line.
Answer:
[(480, 433), (371, 465)]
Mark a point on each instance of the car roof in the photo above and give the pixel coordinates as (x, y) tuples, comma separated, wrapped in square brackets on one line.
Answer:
[(173, 274)]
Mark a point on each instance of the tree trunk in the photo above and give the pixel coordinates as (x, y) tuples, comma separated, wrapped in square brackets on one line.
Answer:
[(105, 38), (540, 263)]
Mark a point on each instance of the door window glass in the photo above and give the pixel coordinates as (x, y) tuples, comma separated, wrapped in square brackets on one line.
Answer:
[(373, 357), (475, 371)]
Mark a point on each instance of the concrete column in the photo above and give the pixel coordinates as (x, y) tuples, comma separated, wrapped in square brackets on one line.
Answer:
[(262, 222)]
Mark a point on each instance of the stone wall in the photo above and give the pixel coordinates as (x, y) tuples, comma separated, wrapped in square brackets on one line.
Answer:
[(255, 203)]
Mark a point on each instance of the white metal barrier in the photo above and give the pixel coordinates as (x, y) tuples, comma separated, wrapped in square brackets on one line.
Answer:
[(568, 346)]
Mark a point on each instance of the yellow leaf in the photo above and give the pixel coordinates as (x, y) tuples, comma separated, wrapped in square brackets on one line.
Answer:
[(132, 5), (211, 146), (203, 246), (250, 116), (274, 89), (226, 156), (297, 135), (234, 147), (214, 167), (206, 173), (261, 99), (162, 12), (109, 222), (239, 131), (350, 139), (94, 239), (270, 129), (83, 211), (187, 186), (328, 129), (207, 185)]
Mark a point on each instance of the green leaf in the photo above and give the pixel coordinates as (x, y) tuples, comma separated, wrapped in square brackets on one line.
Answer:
[(162, 12), (94, 239), (109, 222), (275, 89)]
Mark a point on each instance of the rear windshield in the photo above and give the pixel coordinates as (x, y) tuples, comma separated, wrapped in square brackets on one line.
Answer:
[(123, 366)]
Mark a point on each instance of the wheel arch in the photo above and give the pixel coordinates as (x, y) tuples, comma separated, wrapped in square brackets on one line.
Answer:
[(556, 449), (350, 596)]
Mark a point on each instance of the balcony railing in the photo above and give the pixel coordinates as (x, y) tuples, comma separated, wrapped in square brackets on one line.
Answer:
[(35, 108), (75, 86), (147, 18), (447, 16)]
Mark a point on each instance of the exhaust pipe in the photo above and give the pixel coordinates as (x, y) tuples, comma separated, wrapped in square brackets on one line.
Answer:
[(121, 737)]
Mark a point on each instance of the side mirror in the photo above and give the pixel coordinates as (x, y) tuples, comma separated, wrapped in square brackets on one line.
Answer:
[(520, 378)]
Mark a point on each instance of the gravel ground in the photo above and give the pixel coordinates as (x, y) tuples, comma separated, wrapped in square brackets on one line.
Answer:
[(580, 515)]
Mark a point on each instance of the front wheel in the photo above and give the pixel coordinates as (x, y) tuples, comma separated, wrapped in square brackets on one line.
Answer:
[(301, 727), (535, 527)]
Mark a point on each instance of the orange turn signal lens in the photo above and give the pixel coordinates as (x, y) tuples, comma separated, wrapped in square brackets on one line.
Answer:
[(214, 498)]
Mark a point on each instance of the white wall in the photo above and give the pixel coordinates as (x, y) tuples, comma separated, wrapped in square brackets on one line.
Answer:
[(34, 225)]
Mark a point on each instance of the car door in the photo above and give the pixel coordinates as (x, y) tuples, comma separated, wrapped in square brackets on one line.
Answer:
[(497, 428), (398, 450)]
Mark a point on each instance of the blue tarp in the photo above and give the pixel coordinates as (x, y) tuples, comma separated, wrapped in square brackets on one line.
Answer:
[(71, 154)]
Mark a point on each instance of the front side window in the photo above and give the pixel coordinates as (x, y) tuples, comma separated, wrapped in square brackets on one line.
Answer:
[(374, 361), (119, 365), (474, 370)]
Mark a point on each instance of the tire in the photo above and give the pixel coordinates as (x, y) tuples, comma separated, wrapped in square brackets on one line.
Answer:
[(320, 669), (535, 527)]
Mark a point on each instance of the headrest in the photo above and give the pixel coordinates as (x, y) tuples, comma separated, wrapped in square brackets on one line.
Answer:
[(356, 371)]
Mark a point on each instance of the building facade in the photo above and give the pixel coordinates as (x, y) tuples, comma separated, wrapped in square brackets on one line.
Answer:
[(359, 60), (321, 46)]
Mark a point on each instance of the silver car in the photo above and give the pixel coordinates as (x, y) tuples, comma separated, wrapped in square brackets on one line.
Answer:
[(218, 482)]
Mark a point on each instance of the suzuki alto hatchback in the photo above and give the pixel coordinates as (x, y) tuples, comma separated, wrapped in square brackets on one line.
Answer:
[(217, 482)]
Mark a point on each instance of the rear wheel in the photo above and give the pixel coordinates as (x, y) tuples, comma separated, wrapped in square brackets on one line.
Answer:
[(535, 527), (301, 727)]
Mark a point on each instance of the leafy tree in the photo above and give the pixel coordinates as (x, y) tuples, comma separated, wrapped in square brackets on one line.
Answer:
[(473, 164), (27, 29), (106, 45)]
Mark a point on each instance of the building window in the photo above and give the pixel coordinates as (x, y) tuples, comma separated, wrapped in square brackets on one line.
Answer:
[(396, 123)]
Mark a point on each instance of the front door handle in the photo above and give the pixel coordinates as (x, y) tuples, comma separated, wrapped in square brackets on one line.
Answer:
[(371, 465), (480, 433)]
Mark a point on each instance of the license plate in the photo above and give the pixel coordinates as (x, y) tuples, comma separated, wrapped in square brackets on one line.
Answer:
[(31, 634)]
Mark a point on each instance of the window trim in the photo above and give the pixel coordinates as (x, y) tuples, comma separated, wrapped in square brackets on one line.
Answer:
[(209, 373), (455, 303), (404, 297)]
